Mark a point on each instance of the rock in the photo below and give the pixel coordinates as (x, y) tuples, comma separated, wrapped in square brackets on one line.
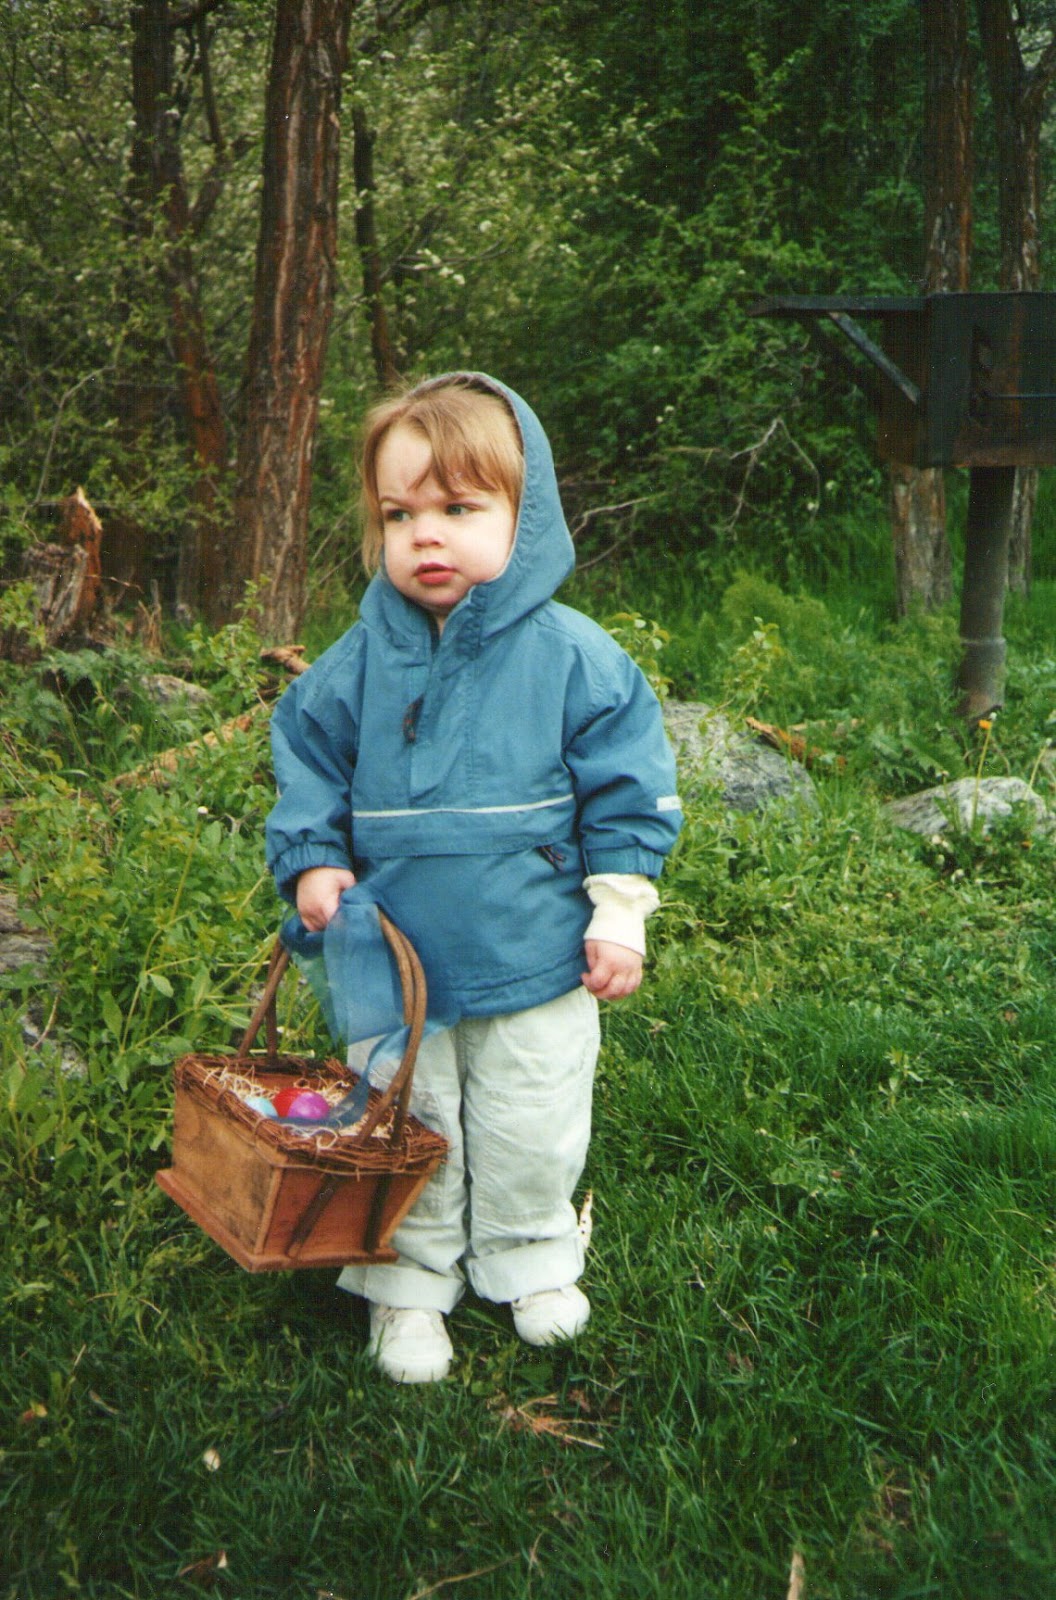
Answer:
[(985, 800), (28, 947), (69, 1059), (712, 754), (167, 690), (20, 946)]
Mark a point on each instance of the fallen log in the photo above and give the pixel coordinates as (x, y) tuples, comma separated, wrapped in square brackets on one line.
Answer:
[(161, 767), (290, 656), (790, 741)]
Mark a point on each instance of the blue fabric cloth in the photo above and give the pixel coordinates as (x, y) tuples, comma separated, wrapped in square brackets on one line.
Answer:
[(353, 975), (472, 778), (350, 969)]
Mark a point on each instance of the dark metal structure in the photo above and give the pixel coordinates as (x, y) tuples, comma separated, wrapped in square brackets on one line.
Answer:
[(958, 380)]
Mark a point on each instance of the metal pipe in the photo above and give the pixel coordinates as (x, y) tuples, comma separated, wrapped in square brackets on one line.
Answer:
[(981, 675)]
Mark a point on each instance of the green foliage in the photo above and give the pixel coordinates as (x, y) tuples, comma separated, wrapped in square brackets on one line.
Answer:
[(587, 202), (227, 659), (643, 641), (90, 391), (156, 900), (691, 405), (20, 612), (874, 700), (821, 1175), (78, 712), (750, 669), (152, 886)]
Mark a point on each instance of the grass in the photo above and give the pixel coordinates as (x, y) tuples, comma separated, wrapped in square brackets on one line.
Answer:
[(824, 1262)]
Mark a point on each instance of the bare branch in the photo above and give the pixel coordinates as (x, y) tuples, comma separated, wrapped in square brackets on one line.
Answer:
[(605, 555), (754, 453), (212, 184), (588, 516), (459, 1577)]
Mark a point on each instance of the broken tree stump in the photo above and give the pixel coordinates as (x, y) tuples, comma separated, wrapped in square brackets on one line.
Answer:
[(65, 579)]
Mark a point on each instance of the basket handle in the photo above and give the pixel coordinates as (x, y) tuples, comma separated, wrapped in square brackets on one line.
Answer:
[(414, 994)]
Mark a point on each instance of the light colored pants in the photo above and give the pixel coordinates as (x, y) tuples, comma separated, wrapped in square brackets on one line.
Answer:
[(512, 1096)]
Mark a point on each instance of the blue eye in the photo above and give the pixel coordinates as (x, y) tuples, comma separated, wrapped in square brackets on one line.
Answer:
[(457, 510), (393, 514)]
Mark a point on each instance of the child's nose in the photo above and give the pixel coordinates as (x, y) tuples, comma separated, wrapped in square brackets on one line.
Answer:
[(428, 528)]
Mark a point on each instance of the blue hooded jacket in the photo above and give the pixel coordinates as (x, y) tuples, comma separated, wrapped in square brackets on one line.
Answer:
[(472, 778)]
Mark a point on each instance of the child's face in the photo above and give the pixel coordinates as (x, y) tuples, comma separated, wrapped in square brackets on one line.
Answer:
[(437, 547)]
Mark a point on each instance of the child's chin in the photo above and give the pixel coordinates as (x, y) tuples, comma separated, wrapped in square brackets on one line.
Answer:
[(437, 605)]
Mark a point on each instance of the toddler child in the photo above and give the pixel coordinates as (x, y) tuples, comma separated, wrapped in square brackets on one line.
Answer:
[(494, 770)]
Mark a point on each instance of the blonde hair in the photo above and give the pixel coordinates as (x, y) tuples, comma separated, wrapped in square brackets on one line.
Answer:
[(473, 437)]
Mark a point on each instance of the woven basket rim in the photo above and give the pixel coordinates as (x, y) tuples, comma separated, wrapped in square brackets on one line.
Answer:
[(417, 1147)]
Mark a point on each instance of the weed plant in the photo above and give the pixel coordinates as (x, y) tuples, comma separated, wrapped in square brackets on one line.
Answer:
[(822, 1174)]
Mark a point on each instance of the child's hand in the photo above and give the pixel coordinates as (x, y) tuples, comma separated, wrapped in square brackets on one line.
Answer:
[(319, 893), (614, 971)]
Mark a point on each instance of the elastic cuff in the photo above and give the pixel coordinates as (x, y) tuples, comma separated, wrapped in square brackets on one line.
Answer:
[(618, 925), (648, 862), (288, 867)]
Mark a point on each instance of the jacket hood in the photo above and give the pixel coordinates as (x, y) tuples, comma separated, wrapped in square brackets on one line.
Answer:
[(541, 559)]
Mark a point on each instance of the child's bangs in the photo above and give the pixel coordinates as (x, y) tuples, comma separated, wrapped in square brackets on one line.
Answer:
[(473, 440)]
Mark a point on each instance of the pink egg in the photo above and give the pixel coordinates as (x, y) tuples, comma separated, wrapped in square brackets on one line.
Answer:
[(309, 1106)]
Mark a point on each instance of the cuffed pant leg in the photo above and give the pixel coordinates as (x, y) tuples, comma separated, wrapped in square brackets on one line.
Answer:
[(526, 1108), (432, 1238)]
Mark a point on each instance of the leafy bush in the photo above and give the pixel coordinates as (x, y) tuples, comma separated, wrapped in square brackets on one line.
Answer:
[(644, 641), (821, 1175)]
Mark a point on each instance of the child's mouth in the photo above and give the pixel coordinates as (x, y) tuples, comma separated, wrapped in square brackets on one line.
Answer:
[(433, 574)]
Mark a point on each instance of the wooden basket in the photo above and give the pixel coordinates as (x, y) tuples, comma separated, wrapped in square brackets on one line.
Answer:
[(274, 1197)]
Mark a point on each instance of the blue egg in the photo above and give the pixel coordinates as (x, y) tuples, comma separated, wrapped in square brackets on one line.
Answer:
[(261, 1103)]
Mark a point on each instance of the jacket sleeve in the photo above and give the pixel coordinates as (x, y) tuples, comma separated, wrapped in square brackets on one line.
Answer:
[(623, 771), (313, 741)]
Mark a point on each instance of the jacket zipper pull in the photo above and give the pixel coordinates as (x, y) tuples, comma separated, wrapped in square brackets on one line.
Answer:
[(410, 719), (552, 854)]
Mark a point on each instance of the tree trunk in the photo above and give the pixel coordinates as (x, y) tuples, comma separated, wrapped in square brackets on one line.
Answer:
[(140, 389), (157, 179), (918, 496), (203, 564), (923, 566), (1019, 97), (1020, 540), (947, 146), (292, 306), (367, 241)]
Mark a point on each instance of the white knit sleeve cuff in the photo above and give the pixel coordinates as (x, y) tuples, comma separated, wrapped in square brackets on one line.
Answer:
[(622, 901)]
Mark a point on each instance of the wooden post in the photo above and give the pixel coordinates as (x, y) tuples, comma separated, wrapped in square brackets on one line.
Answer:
[(982, 671)]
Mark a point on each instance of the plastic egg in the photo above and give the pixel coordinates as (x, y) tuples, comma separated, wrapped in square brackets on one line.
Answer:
[(309, 1106), (283, 1100), (261, 1104)]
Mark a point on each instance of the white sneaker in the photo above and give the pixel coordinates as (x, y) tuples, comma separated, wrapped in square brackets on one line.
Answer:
[(551, 1315), (409, 1345)]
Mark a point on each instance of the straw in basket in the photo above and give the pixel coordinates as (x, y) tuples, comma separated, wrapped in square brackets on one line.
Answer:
[(276, 1196)]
